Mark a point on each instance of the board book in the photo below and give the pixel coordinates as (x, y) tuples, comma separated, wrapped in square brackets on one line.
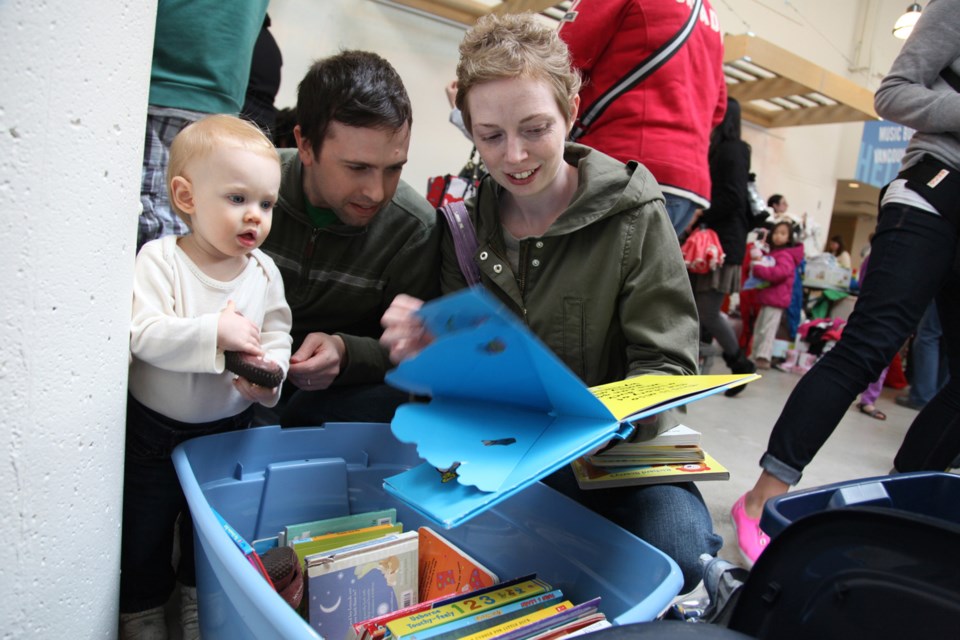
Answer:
[(306, 530), (505, 411), (331, 541), (473, 604), (446, 569), (344, 588), (375, 628), (537, 621), (475, 623), (590, 476)]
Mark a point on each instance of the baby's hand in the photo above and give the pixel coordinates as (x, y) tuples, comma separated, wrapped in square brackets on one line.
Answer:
[(255, 393), (236, 333)]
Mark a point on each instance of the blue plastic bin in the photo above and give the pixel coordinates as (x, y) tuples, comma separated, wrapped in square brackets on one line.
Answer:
[(262, 479), (926, 493)]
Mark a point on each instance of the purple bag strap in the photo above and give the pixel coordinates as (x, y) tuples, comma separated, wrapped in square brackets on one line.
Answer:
[(464, 239)]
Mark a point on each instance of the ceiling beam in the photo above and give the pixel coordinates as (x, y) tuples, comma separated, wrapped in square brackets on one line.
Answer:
[(827, 114), (765, 89)]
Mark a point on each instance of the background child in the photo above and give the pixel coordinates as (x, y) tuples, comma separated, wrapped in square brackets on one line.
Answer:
[(775, 298), (194, 297)]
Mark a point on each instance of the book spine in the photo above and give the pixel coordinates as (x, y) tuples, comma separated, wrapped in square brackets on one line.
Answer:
[(375, 628), (489, 618), (546, 619), (466, 607), (517, 623)]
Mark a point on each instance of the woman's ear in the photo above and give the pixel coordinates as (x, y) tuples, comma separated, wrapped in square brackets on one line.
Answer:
[(181, 195), (574, 112)]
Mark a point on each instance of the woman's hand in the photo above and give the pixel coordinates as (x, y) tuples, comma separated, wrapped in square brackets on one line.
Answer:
[(403, 332)]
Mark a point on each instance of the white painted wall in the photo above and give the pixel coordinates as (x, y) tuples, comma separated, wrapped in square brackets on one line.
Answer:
[(73, 94)]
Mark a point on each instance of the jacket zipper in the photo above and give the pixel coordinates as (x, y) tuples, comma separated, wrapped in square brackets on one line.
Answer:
[(307, 257)]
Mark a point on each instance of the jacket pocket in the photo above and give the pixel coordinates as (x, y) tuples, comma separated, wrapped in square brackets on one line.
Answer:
[(573, 336)]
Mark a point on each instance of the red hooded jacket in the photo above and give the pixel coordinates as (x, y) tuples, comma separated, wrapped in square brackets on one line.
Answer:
[(665, 121)]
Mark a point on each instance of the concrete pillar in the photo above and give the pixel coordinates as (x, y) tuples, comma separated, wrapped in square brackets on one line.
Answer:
[(73, 93)]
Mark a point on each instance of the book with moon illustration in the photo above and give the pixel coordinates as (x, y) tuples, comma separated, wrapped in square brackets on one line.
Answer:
[(347, 586)]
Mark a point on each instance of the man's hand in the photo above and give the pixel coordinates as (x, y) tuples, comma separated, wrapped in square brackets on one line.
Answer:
[(236, 333), (403, 332), (317, 362)]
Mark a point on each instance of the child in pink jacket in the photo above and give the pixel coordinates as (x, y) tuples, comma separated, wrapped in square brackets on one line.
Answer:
[(773, 299)]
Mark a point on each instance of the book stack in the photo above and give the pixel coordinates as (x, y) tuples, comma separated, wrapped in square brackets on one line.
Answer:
[(365, 565), (368, 579), (679, 445), (523, 608), (672, 456)]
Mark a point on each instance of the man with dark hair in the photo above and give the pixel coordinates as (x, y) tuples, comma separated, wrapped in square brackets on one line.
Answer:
[(348, 236)]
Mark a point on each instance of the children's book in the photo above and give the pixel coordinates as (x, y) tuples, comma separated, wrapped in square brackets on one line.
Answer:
[(446, 569), (331, 541), (305, 530), (537, 621), (679, 436), (345, 588), (263, 545), (505, 411), (590, 476), (375, 628), (473, 604), (560, 617), (587, 624), (490, 618), (686, 454)]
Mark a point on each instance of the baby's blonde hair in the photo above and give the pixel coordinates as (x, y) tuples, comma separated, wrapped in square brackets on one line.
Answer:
[(200, 138), (512, 46)]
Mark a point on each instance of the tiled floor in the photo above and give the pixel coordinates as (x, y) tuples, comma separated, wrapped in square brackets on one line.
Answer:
[(735, 432)]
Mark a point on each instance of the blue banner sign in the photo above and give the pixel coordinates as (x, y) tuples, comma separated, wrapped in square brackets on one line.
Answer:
[(881, 150)]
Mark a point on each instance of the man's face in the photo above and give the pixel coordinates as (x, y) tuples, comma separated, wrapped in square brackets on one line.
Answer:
[(356, 171)]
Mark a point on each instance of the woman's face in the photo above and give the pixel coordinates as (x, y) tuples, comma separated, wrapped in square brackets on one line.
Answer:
[(519, 132)]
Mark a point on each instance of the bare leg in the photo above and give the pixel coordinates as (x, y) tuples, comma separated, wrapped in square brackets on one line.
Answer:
[(767, 487)]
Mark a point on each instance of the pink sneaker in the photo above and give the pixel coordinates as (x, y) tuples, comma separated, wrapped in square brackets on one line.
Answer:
[(750, 539)]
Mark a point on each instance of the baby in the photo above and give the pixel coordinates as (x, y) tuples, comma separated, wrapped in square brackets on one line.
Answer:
[(196, 297)]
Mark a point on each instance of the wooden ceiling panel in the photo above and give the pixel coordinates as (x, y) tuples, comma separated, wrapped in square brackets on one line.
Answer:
[(780, 77)]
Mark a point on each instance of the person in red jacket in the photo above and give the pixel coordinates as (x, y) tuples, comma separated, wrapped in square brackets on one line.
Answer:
[(635, 105), (777, 269)]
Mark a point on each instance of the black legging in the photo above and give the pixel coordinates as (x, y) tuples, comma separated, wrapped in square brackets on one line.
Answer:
[(708, 306)]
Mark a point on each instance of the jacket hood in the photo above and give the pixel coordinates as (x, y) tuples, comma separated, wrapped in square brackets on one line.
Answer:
[(796, 252), (604, 194)]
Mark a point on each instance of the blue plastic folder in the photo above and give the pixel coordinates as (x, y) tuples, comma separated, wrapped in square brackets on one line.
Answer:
[(505, 411)]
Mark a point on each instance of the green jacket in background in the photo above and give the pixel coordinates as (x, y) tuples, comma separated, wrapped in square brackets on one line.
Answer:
[(340, 279), (605, 287)]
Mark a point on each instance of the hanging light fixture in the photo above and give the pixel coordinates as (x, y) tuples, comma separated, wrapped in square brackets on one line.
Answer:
[(904, 24)]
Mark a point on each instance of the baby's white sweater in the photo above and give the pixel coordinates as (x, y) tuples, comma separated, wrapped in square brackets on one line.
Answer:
[(175, 366)]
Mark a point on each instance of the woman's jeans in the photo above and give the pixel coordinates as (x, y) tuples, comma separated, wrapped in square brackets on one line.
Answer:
[(911, 263), (152, 502), (671, 517)]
